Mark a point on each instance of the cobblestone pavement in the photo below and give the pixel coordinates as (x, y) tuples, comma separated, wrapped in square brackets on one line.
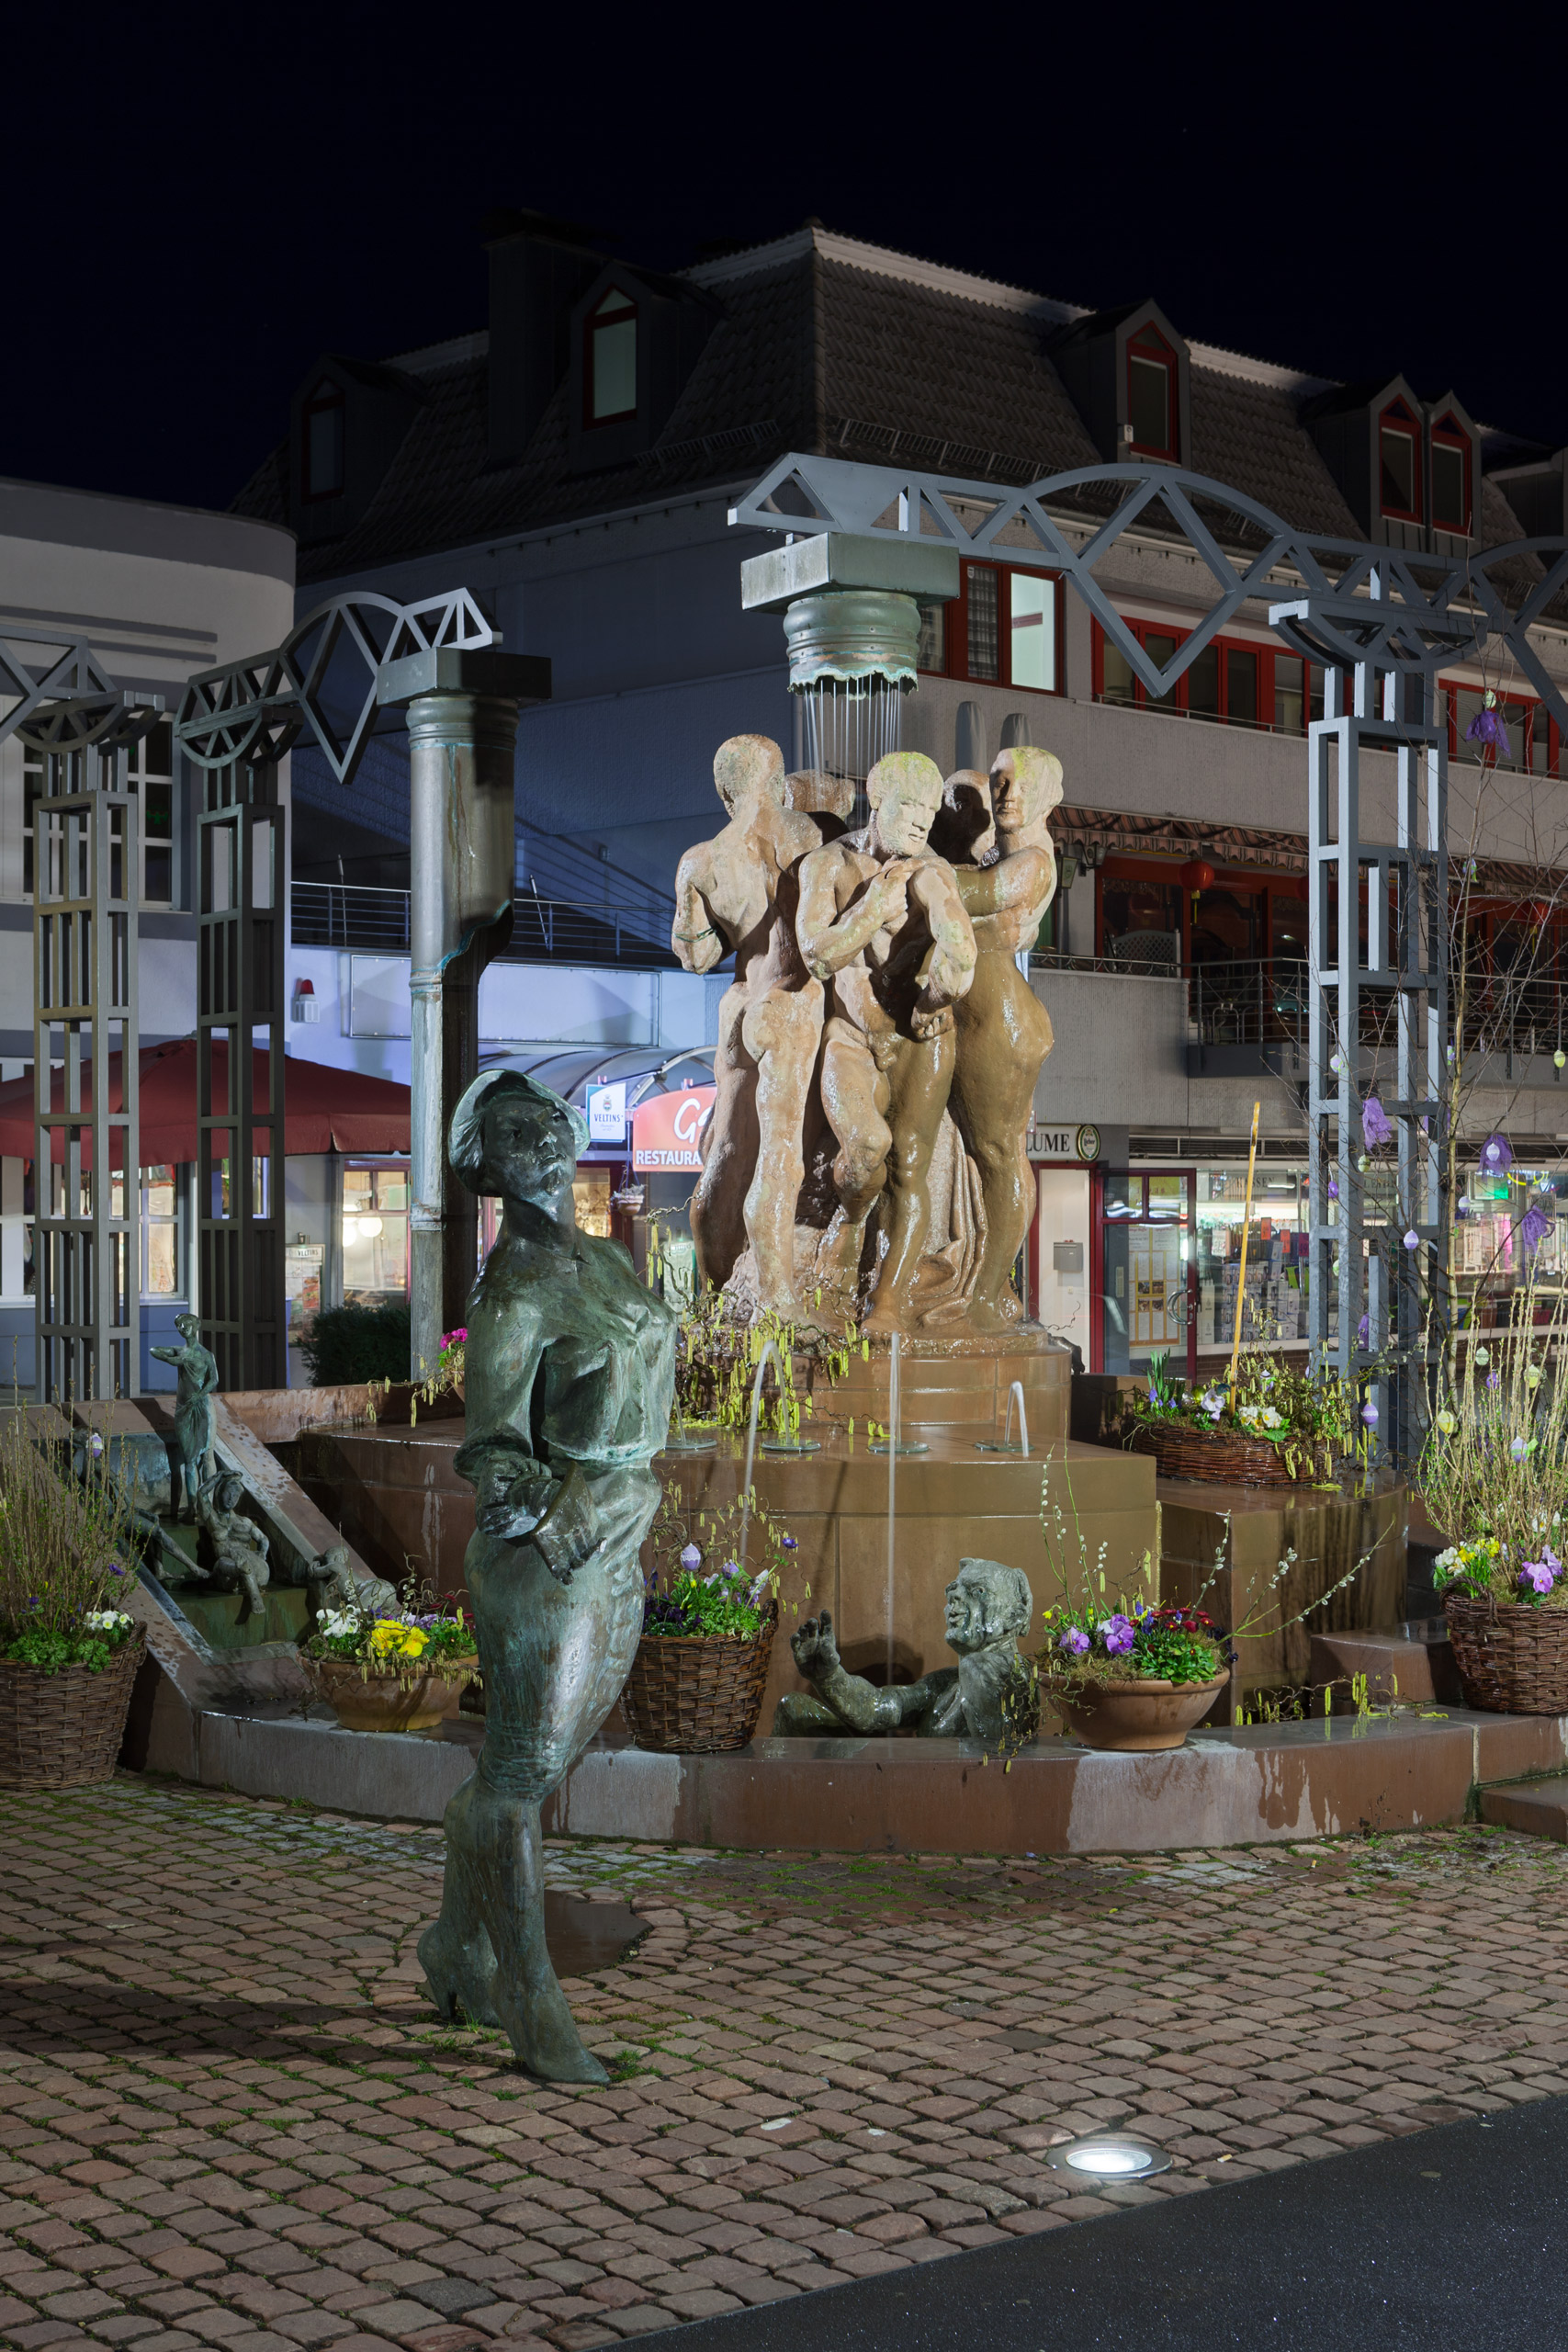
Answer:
[(231, 2117)]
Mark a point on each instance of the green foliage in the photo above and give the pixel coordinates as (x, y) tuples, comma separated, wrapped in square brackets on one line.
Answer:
[(347, 1344), (64, 1552), (1494, 1472), (50, 1652), (1310, 1419)]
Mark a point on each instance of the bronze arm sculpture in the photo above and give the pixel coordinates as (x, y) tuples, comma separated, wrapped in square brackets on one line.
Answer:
[(569, 1378)]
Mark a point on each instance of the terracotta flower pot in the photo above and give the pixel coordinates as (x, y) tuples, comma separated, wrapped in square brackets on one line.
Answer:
[(1136, 1717), (384, 1701)]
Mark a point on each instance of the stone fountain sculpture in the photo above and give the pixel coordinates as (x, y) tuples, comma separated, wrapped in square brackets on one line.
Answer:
[(879, 1051), (570, 1376), (192, 1447), (986, 1696), (739, 891)]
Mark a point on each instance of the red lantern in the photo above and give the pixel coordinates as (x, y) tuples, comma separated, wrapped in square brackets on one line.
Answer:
[(1196, 875)]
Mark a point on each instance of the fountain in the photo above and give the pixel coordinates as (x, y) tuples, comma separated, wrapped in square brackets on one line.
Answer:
[(1005, 1443)]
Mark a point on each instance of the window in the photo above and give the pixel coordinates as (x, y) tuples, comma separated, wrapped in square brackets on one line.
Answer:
[(1235, 684), (160, 1234), (611, 371), (150, 774), (322, 437), (1003, 628), (375, 1233), (1151, 394), (1399, 464), (1450, 476)]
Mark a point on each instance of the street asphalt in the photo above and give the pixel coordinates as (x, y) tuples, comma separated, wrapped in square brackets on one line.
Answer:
[(1449, 2240)]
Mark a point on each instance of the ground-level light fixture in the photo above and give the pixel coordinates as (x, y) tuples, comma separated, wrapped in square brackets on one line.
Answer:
[(1108, 2155)]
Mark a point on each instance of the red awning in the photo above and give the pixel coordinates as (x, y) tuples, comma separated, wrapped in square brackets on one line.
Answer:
[(325, 1109)]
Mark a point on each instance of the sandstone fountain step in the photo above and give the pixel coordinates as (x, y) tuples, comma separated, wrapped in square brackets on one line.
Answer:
[(1539, 1808)]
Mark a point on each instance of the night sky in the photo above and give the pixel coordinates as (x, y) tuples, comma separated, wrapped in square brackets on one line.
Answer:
[(199, 202)]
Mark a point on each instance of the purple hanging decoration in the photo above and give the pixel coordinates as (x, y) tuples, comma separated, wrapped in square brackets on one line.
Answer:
[(1534, 1227), (1497, 1154), (1487, 727), (1376, 1128)]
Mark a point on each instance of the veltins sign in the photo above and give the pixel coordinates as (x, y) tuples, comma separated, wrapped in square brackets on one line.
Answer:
[(607, 1113), (667, 1130)]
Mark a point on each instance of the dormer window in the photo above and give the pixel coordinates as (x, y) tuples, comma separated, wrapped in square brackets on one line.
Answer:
[(1152, 395), (1450, 476), (321, 433), (1399, 464), (609, 375)]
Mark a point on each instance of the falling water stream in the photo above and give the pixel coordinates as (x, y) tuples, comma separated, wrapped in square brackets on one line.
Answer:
[(769, 1349), (1007, 1443), (848, 724)]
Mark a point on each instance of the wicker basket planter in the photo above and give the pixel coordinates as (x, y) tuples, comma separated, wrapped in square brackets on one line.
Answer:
[(1135, 1718), (1220, 1457), (62, 1730), (370, 1702), (698, 1694), (1512, 1659)]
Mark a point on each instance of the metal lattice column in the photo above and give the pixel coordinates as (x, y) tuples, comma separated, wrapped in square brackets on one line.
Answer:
[(462, 723), (242, 868), (1404, 969), (87, 1278)]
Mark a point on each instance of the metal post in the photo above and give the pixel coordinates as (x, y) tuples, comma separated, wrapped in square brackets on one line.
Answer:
[(242, 869), (87, 1278), (462, 723)]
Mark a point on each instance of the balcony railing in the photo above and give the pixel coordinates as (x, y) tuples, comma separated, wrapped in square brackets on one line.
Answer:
[(544, 931), (1265, 1002)]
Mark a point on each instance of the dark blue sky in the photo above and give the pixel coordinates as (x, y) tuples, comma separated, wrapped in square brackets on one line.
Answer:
[(200, 201)]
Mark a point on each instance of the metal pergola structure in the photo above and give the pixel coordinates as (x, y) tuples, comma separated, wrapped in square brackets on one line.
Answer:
[(1383, 622), (439, 659), (78, 725)]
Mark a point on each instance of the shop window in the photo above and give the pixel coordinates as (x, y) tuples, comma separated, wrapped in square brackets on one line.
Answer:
[(375, 1233), (1450, 476), (161, 1251), (1232, 683), (1152, 395), (1140, 913), (1003, 628), (590, 1189), (321, 433), (1399, 464), (1273, 1308), (611, 371)]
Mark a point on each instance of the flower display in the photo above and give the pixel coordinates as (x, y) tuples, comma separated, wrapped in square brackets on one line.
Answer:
[(1307, 1417), (1118, 1634), (413, 1641), (1139, 1640)]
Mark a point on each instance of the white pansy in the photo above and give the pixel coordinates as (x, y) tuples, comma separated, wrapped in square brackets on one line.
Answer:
[(336, 1623)]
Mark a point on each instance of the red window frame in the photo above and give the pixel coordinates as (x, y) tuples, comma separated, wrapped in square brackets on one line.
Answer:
[(1396, 418), (1272, 889), (955, 628), (1517, 712), (1446, 433), (597, 320), (1151, 346), (1266, 655), (326, 399)]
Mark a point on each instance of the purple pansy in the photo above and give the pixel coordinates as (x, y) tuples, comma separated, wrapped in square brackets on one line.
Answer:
[(1536, 1576), (1075, 1641), (1117, 1633), (1376, 1128), (789, 1543)]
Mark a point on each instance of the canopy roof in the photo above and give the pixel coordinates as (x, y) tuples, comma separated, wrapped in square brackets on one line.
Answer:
[(325, 1109)]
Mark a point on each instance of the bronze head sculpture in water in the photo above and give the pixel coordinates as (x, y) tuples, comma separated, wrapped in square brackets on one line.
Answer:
[(984, 1697), (569, 1373)]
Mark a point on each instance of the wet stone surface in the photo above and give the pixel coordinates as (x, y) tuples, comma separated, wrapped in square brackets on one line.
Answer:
[(231, 2119)]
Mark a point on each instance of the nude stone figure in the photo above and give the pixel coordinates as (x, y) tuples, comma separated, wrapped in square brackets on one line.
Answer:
[(882, 918), (1004, 1031), (739, 891), (988, 1607), (239, 1550), (198, 1370)]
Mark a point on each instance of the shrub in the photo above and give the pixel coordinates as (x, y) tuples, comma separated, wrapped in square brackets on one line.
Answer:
[(355, 1343)]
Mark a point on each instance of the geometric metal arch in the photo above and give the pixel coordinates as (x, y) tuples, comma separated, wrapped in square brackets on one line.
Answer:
[(1400, 610), (252, 711)]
